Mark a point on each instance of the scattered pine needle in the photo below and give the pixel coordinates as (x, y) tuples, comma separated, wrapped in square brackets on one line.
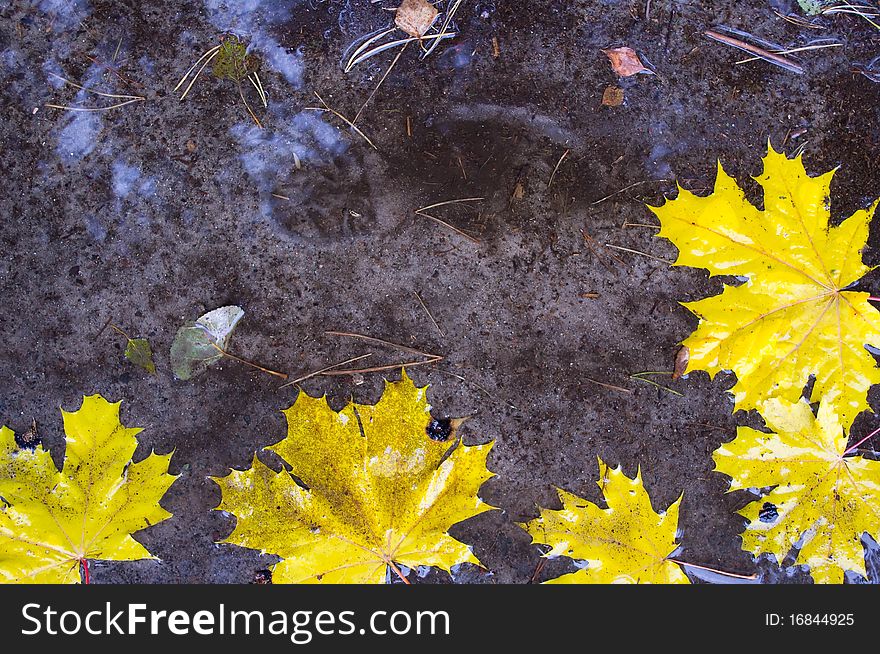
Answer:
[(804, 49), (479, 387), (422, 212), (611, 386), (422, 302), (428, 357), (326, 107), (472, 239), (390, 366), (128, 99), (248, 363), (382, 79), (113, 106), (446, 202), (555, 170), (210, 54), (644, 254), (323, 370), (626, 188), (447, 19), (641, 376)]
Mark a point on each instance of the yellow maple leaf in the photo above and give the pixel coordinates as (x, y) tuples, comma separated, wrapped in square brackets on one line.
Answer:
[(379, 491), (822, 494), (791, 318), (628, 542), (52, 521)]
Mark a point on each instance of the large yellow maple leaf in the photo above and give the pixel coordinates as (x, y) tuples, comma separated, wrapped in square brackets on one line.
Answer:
[(791, 318), (52, 521), (378, 491), (823, 498), (628, 542)]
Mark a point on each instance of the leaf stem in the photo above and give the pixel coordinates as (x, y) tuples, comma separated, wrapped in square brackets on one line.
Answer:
[(874, 299), (119, 331), (248, 363), (248, 107), (86, 577), (399, 573)]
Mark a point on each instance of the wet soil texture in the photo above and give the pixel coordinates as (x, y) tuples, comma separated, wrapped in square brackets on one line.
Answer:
[(150, 214)]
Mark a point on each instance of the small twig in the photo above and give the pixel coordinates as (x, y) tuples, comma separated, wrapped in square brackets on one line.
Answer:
[(772, 58), (720, 572), (323, 370), (246, 362), (847, 8), (538, 568), (419, 298), (591, 243), (429, 358), (421, 212)]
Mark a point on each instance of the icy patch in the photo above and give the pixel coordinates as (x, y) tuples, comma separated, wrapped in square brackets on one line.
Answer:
[(124, 178), (65, 14), (78, 137), (270, 156), (95, 228)]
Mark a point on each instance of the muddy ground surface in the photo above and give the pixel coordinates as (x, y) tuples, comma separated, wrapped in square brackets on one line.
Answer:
[(153, 213)]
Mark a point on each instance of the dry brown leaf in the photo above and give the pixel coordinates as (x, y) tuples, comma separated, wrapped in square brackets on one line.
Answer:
[(415, 17), (613, 96), (625, 61), (682, 358)]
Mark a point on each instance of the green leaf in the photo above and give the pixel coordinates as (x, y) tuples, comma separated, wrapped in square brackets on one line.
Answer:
[(139, 353), (813, 7), (202, 343)]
